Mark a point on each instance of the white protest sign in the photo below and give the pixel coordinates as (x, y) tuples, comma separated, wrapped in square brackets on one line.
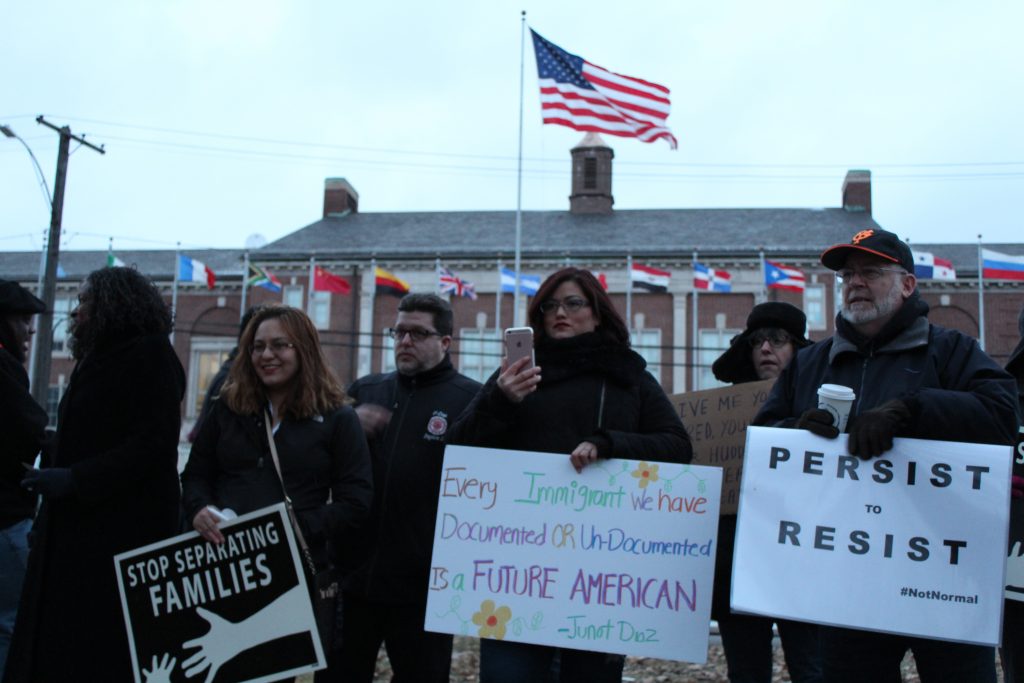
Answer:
[(913, 542), (617, 559), (233, 612)]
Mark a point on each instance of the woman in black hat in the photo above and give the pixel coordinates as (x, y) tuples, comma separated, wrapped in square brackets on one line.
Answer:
[(774, 334), (24, 422)]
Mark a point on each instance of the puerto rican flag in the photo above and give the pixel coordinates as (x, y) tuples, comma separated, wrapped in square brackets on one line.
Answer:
[(191, 270), (997, 266), (650, 279), (778, 276), (711, 279), (928, 266)]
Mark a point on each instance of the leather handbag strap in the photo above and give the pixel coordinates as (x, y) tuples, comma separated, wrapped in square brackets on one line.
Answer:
[(287, 499)]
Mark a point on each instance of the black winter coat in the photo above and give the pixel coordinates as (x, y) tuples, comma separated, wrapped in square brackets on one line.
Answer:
[(392, 563), (118, 433), (230, 466), (955, 392), (588, 392), (23, 424)]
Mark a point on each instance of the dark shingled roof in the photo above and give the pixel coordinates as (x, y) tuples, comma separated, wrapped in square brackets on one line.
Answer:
[(486, 234)]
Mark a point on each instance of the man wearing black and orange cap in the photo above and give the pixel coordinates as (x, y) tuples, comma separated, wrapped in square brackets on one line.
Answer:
[(911, 379)]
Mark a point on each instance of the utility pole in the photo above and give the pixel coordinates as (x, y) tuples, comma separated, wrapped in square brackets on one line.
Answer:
[(44, 329)]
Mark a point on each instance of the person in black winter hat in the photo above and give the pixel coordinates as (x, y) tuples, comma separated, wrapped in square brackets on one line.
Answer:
[(773, 335), (24, 422)]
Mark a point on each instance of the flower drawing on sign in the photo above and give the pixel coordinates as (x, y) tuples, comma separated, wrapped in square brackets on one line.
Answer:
[(492, 621), (645, 473)]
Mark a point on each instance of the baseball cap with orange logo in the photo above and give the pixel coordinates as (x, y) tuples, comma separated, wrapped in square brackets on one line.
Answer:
[(879, 242)]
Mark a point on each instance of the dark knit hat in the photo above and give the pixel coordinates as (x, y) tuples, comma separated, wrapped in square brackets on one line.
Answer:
[(735, 365), (16, 300), (879, 242)]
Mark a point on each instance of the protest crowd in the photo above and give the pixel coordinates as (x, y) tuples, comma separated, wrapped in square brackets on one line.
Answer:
[(358, 471)]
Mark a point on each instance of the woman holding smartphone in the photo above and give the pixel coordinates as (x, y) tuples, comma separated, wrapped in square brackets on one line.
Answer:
[(280, 377), (588, 396)]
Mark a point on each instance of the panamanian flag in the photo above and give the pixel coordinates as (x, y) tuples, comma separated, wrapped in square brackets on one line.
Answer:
[(711, 279), (928, 266), (778, 276), (191, 270)]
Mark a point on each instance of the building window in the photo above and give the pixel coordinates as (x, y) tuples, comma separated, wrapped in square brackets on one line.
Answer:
[(712, 344), (53, 396), (61, 315), (207, 357), (292, 296), (589, 173), (647, 343), (320, 309), (479, 352), (387, 360), (814, 306)]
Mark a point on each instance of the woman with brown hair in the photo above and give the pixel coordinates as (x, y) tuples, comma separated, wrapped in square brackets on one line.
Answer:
[(588, 397), (281, 374)]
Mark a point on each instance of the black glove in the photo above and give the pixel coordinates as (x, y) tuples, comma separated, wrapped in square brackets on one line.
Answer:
[(53, 482), (872, 432), (818, 421)]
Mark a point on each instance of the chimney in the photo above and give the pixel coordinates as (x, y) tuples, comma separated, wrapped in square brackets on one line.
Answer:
[(591, 176), (857, 191), (340, 198)]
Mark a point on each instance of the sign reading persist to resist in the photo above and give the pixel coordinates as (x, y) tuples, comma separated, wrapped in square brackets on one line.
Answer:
[(912, 542), (619, 558)]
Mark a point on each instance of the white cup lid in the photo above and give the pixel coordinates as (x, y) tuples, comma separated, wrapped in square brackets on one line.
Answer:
[(837, 392)]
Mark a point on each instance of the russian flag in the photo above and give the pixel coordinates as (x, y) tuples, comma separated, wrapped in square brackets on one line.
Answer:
[(711, 279), (928, 266), (778, 276), (996, 266), (191, 270)]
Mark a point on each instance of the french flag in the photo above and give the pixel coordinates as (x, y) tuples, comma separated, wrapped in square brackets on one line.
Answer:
[(997, 266), (711, 279), (928, 266), (191, 270)]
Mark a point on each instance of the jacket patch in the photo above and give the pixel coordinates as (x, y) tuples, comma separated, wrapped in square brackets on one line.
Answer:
[(437, 425)]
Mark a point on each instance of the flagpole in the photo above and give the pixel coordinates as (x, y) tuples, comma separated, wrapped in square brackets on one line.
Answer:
[(312, 285), (696, 319), (764, 278), (110, 251), (981, 297), (174, 289), (629, 288), (497, 303), (245, 286), (519, 170), (437, 272)]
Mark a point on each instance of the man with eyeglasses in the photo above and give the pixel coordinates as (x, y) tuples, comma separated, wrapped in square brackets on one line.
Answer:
[(774, 333), (405, 415), (911, 379)]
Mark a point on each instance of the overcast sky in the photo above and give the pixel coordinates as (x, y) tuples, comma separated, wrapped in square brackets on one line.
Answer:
[(222, 118)]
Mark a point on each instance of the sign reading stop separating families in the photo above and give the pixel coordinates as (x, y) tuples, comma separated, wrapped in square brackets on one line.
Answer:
[(619, 558), (912, 542), (237, 611)]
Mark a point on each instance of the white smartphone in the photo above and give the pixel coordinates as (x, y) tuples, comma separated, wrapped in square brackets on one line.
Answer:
[(519, 344)]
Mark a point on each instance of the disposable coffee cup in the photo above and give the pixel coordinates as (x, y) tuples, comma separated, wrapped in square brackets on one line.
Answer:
[(837, 400)]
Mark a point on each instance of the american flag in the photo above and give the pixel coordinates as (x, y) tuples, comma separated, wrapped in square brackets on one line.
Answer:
[(583, 96), (450, 284)]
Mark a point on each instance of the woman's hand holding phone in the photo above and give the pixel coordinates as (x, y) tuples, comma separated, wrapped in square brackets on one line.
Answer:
[(518, 380)]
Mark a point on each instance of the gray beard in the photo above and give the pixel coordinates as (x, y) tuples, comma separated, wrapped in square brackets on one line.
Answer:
[(879, 309)]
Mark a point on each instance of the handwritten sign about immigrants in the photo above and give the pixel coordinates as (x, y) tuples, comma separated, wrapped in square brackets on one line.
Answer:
[(237, 611), (913, 542), (717, 420), (617, 559)]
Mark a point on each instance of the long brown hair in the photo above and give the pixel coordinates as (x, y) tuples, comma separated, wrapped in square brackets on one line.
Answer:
[(314, 391), (610, 324)]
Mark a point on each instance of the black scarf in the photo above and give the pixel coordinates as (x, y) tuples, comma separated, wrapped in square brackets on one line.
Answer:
[(588, 353)]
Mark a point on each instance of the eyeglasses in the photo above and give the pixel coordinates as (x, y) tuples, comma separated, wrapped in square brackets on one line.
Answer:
[(776, 337), (416, 334), (571, 304), (869, 274), (277, 347)]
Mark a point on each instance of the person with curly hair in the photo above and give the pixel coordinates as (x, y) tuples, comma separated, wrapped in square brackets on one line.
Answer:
[(112, 485), (280, 376)]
